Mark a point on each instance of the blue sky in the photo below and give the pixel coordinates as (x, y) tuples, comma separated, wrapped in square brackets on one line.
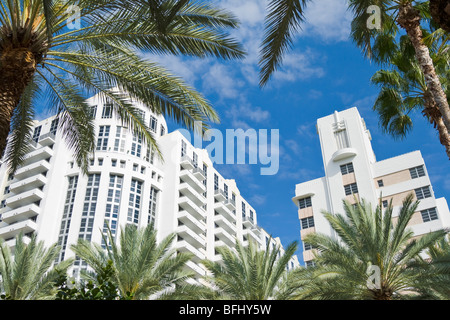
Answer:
[(324, 72)]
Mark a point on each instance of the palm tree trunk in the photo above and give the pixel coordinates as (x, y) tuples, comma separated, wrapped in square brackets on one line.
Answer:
[(409, 19), (17, 67), (432, 112)]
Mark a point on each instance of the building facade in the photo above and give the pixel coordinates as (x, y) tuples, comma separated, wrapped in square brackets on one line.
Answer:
[(127, 183), (353, 173)]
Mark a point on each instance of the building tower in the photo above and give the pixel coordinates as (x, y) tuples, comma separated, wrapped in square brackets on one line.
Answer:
[(127, 184), (352, 171)]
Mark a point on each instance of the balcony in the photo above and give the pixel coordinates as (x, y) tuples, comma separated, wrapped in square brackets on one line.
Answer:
[(230, 204), (223, 222), (221, 208), (188, 177), (191, 221), (21, 214), (12, 242), (253, 233), (196, 268), (184, 246), (47, 139), (23, 199), (192, 194), (196, 240), (37, 155), (187, 163), (14, 229), (188, 205), (28, 184), (225, 236), (247, 222), (199, 174), (219, 195), (32, 169)]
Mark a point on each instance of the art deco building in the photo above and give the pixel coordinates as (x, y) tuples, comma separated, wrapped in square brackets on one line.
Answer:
[(352, 171), (184, 194)]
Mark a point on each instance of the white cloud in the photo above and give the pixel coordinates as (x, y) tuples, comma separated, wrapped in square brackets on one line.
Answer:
[(328, 19), (299, 66)]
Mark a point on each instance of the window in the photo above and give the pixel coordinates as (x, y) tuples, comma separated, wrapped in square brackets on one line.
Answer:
[(134, 202), (417, 172), (114, 162), (92, 112), (422, 193), (429, 215), (216, 182), (7, 190), (385, 203), (304, 203), (100, 161), (89, 207), (153, 124), (103, 136), (54, 126), (121, 135), (37, 133), (243, 209), (136, 146), (347, 168), (107, 111), (183, 148), (307, 222), (112, 206), (163, 130), (380, 183), (251, 215), (225, 190), (67, 217), (350, 189), (195, 159), (152, 205)]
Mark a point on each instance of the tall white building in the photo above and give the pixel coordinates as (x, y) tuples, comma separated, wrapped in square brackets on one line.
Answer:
[(127, 183), (351, 170)]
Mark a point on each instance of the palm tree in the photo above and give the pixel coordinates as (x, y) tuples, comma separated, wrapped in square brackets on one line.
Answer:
[(372, 257), (62, 51), (246, 273), (285, 17), (403, 90), (142, 267), (440, 11), (28, 273)]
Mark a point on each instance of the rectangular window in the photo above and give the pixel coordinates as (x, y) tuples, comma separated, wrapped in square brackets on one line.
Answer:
[(429, 214), (304, 203), (89, 207), (307, 222), (113, 199), (243, 209), (103, 136), (136, 145), (252, 215), (67, 217), (153, 124), (163, 130), (107, 111), (216, 182), (385, 203), (134, 202), (347, 168), (152, 205), (37, 133), (225, 190), (121, 135), (422, 193), (183, 148), (54, 126), (417, 172), (195, 159), (350, 189), (380, 183), (92, 112)]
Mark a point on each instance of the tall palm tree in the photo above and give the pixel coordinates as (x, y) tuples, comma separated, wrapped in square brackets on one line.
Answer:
[(246, 273), (66, 50), (403, 90), (28, 273), (142, 266), (285, 17), (372, 257)]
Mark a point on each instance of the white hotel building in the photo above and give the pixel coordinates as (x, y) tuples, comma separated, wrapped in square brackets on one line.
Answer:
[(49, 196), (351, 170)]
